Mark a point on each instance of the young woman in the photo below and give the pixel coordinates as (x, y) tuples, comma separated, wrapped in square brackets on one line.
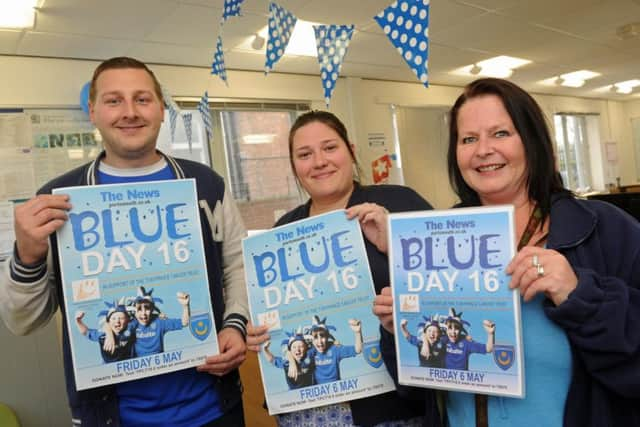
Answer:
[(323, 161)]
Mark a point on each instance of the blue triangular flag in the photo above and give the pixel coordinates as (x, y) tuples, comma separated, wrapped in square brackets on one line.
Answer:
[(332, 42), (231, 8), (406, 24), (186, 119), (203, 108), (173, 115), (281, 24), (218, 67)]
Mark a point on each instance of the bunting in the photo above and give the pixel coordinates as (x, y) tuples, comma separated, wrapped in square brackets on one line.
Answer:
[(203, 108), (218, 67), (281, 24), (173, 116), (332, 42), (406, 24), (186, 119), (231, 8)]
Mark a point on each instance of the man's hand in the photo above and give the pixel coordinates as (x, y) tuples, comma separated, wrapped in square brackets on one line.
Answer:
[(232, 353), (35, 220)]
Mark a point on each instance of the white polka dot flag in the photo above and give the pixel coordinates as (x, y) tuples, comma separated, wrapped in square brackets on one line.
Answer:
[(203, 108), (231, 8), (332, 42), (281, 24), (186, 119), (217, 67), (406, 24)]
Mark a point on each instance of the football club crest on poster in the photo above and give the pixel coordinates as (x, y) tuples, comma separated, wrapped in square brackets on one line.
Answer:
[(201, 325), (504, 356), (372, 354), (133, 272), (457, 321), (310, 282)]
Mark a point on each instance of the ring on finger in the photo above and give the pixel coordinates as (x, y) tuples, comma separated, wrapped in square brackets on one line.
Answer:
[(534, 261), (540, 270)]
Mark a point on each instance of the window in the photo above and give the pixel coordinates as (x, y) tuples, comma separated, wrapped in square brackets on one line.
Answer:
[(250, 149), (257, 158), (572, 151), (256, 145)]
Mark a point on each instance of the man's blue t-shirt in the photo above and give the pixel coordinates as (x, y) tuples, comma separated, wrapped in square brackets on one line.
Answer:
[(183, 398), (457, 354), (327, 364)]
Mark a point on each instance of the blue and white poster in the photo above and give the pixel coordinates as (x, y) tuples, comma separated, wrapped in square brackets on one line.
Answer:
[(310, 282), (135, 281), (457, 322)]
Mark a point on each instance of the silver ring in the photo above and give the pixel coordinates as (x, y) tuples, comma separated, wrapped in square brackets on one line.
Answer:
[(540, 270), (534, 261)]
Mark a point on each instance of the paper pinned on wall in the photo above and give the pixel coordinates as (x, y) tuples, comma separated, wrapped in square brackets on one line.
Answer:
[(7, 234)]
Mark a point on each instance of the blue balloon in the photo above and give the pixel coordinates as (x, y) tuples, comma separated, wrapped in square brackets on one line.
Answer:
[(84, 97)]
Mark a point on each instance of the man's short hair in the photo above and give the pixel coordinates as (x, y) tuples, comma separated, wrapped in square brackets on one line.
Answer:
[(119, 63)]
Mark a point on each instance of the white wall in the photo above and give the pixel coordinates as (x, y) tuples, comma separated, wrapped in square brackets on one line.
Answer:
[(32, 377), (425, 140)]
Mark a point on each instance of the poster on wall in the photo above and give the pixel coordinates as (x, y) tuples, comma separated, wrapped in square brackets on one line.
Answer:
[(457, 321), (135, 281), (385, 170), (17, 181), (61, 140), (7, 231), (310, 282)]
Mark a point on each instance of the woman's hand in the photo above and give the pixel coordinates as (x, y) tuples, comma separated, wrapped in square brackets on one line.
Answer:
[(536, 269), (383, 308), (256, 336), (373, 222)]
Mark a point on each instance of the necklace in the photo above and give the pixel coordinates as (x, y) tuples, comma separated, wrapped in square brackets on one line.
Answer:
[(534, 222)]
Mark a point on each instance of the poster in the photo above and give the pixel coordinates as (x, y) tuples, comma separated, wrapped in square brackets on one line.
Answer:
[(62, 139), (310, 282), (132, 264), (457, 322), (7, 232)]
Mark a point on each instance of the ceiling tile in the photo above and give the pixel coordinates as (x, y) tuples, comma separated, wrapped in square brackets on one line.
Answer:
[(70, 46), (9, 40), (121, 19)]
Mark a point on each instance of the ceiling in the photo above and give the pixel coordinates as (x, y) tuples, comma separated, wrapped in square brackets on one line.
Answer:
[(559, 36)]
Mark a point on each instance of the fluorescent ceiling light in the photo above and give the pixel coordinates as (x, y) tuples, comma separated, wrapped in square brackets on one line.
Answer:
[(499, 66), (301, 43), (573, 79), (17, 13), (627, 86), (259, 138), (303, 40)]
